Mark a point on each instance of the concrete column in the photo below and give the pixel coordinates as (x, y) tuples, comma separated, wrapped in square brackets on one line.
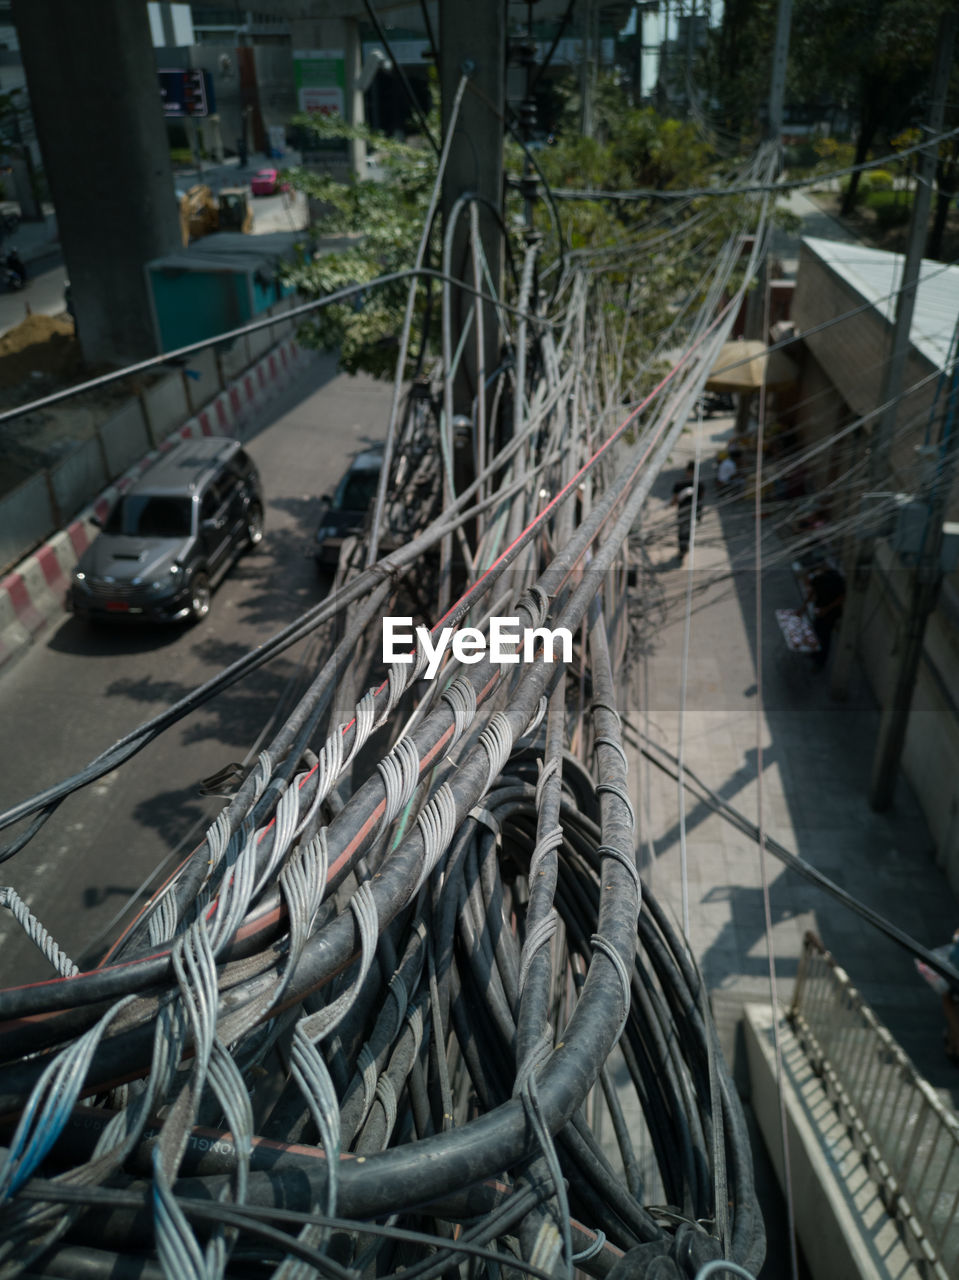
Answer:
[(474, 40), (340, 35), (96, 104)]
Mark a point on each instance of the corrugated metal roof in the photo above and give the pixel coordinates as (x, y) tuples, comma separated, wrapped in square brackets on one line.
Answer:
[(875, 275)]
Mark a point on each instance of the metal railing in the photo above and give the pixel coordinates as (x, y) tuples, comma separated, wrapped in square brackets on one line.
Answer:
[(908, 1139)]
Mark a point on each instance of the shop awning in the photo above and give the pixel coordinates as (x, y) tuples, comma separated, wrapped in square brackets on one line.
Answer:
[(739, 367)]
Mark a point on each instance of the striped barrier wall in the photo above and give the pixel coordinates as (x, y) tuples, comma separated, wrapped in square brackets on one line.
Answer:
[(32, 594)]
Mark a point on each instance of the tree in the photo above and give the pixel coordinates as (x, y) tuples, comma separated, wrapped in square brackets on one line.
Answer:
[(874, 55), (738, 65), (632, 148)]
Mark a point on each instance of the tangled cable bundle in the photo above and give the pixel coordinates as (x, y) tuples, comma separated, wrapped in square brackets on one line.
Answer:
[(407, 1007)]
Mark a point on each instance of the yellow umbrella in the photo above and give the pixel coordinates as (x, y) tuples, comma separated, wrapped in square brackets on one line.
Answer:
[(739, 367)]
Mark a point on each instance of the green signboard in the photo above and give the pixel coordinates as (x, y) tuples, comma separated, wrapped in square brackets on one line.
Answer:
[(320, 79)]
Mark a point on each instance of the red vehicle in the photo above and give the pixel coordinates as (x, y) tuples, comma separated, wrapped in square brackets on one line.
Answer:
[(265, 182)]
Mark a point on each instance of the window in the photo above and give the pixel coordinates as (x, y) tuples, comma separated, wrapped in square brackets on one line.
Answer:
[(150, 516)]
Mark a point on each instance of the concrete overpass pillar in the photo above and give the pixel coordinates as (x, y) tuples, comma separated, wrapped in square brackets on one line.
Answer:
[(339, 35), (96, 105)]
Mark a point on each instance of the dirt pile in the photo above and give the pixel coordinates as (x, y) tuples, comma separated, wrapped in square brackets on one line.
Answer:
[(40, 348)]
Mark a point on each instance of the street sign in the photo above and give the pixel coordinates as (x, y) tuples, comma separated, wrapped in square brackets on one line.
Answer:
[(186, 93)]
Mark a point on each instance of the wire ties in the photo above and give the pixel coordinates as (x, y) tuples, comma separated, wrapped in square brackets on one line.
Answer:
[(316, 1026), (591, 1251), (536, 602), (599, 943), (396, 687), (548, 843), (603, 740), (284, 830), (531, 1105), (488, 819), (538, 937), (607, 706), (718, 1265), (497, 738), (386, 1096), (397, 989), (177, 1248), (36, 932), (534, 722), (613, 789), (546, 772), (437, 824), (261, 775), (625, 860), (218, 839), (163, 921), (420, 663), (415, 1018), (306, 1062), (328, 765), (50, 1104), (363, 724), (400, 771), (460, 697), (366, 1064), (303, 884), (237, 889)]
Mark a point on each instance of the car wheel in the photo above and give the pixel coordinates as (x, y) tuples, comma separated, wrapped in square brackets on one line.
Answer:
[(199, 597), (254, 525)]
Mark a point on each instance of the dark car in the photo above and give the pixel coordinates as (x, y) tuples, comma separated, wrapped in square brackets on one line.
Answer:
[(344, 515), (172, 536)]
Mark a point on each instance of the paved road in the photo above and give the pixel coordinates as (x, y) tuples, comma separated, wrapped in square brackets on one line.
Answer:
[(82, 688)]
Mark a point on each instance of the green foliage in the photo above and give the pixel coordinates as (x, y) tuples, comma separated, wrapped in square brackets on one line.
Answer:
[(384, 220), (892, 208), (879, 179), (738, 63), (632, 149)]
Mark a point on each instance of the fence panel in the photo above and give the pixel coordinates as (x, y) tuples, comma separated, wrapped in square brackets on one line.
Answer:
[(26, 517), (78, 478), (125, 438), (910, 1140)]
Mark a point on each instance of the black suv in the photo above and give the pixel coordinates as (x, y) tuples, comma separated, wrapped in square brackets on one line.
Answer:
[(172, 536)]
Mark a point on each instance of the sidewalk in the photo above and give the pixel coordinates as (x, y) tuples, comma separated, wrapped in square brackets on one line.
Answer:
[(816, 758), (33, 240)]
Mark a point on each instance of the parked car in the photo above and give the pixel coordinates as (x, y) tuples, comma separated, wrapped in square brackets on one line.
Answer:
[(344, 514), (265, 182), (172, 536)]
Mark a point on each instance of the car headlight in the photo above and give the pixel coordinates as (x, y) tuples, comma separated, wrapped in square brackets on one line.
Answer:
[(326, 531), (159, 585)]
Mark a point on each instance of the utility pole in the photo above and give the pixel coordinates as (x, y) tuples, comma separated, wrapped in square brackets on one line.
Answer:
[(858, 560), (473, 41), (924, 595), (690, 51), (756, 301), (777, 79), (585, 73)]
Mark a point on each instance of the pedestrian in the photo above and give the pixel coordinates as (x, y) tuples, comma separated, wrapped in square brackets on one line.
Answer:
[(947, 994), (825, 594), (683, 493)]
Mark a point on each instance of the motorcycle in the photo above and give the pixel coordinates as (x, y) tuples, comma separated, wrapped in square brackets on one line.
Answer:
[(14, 270)]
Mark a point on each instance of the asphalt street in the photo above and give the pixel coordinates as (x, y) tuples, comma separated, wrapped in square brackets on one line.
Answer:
[(80, 688)]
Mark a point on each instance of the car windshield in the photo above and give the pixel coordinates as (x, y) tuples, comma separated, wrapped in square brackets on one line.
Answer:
[(151, 516), (359, 490)]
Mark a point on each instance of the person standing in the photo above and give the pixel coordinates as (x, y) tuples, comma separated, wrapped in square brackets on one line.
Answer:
[(684, 493)]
